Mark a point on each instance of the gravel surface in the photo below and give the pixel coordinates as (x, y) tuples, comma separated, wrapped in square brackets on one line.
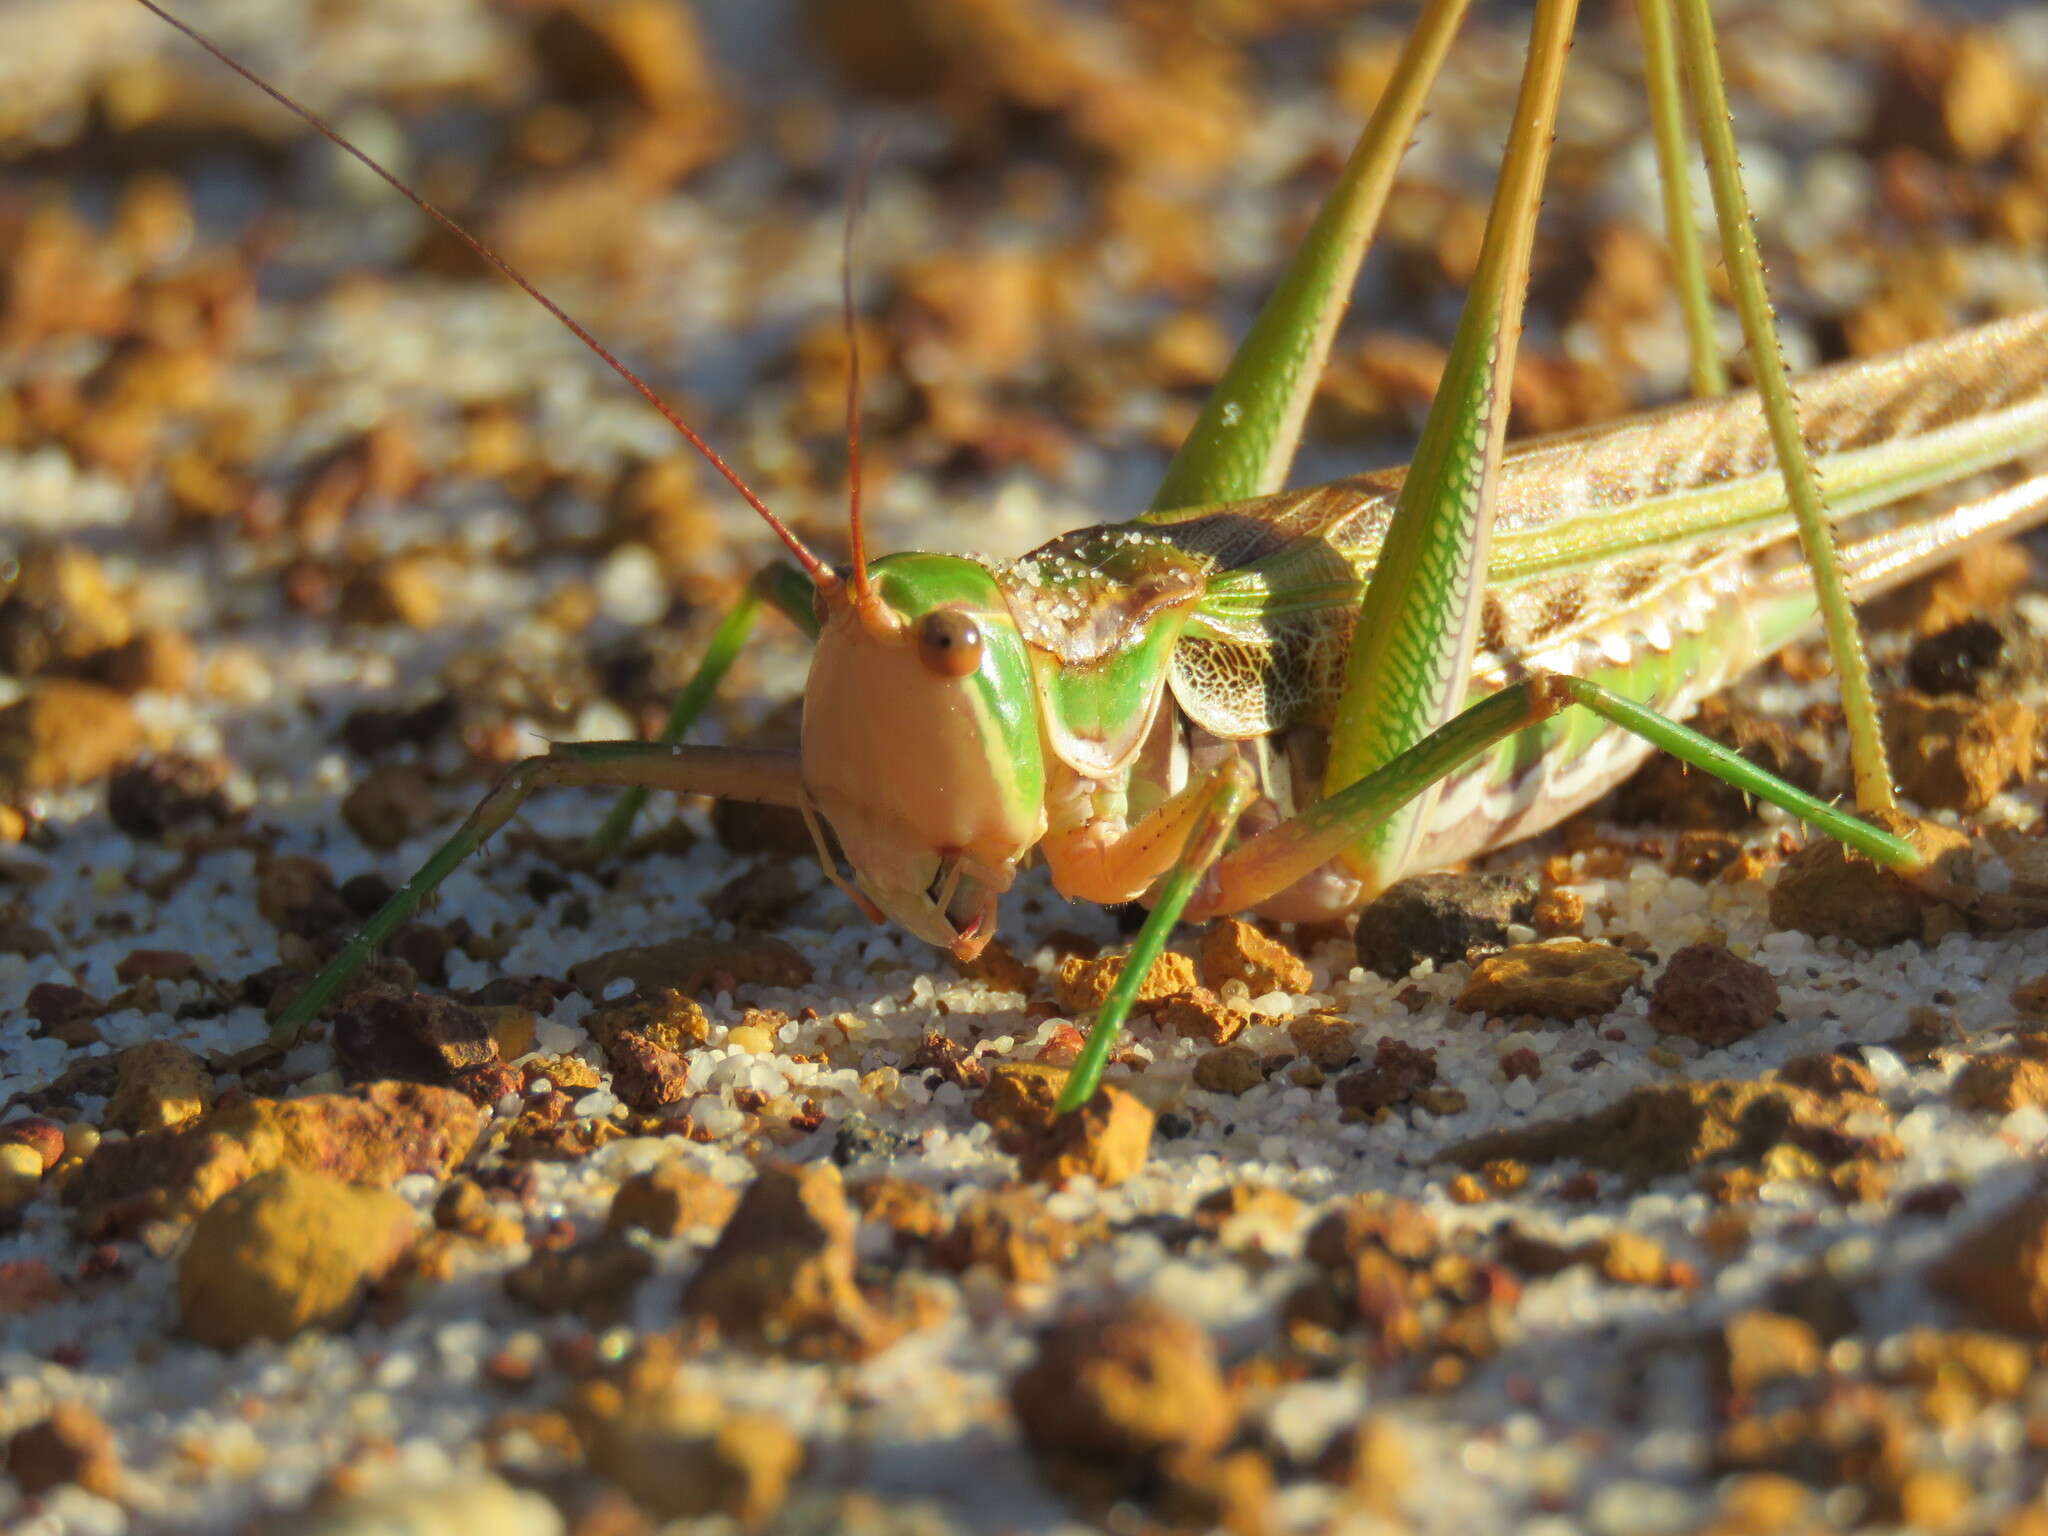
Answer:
[(670, 1191)]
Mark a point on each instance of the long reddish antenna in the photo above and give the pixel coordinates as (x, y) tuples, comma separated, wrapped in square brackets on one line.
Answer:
[(821, 574), (857, 537)]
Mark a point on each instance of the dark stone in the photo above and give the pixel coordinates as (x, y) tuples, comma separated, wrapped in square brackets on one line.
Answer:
[(1442, 918), (408, 1037), (860, 1140), (168, 795), (1956, 660)]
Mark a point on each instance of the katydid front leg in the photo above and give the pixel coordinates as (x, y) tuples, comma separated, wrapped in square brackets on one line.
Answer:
[(729, 773)]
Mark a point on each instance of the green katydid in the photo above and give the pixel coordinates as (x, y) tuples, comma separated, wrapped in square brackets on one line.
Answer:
[(1280, 702)]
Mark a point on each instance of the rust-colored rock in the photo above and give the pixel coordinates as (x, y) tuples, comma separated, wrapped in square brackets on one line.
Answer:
[(1230, 1069), (1106, 1139), (374, 1136), (1710, 994), (58, 607), (1235, 950), (385, 1033), (2001, 1084), (169, 795), (781, 1274), (670, 1199), (1830, 892), (1998, 1271), (1565, 980), (1084, 982), (1198, 1014), (594, 1279), (1124, 1391), (1398, 1071), (288, 1250), (160, 1085), (1011, 1232), (684, 1454), (63, 733), (1758, 1348), (1954, 753), (646, 1076), (70, 1444)]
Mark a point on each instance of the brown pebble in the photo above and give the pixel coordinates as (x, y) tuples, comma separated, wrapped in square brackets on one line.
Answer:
[(670, 1199), (595, 1279), (1107, 1139), (1829, 1074), (781, 1275), (64, 1012), (1565, 980), (1398, 1072), (70, 1444), (169, 795), (45, 1137), (1084, 982), (1124, 1391), (385, 1034), (1329, 1040), (646, 1076), (1954, 753), (691, 964), (1828, 891), (1998, 1271), (2001, 1084), (62, 733), (1231, 1069), (288, 1250), (406, 590), (1198, 1014), (1558, 913), (160, 1084), (1710, 994), (683, 1454), (909, 1209), (393, 804), (1235, 950), (1759, 1347), (1011, 1232)]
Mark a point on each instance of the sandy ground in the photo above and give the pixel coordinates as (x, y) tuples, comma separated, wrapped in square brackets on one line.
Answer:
[(303, 504)]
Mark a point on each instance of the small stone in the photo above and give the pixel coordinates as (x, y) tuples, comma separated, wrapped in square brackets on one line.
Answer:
[(1829, 1074), (1108, 1139), (1018, 1102), (1329, 1040), (464, 1208), (1566, 980), (1084, 983), (758, 897), (1237, 1210), (781, 1275), (1954, 753), (2001, 1084), (998, 966), (671, 1019), (1229, 1069), (859, 1140), (1235, 950), (684, 1454), (287, 1251), (1711, 994), (406, 590), (71, 1444), (1758, 1348), (1372, 1461), (63, 733), (1124, 1391), (43, 1137), (1397, 1073), (393, 804), (1558, 913), (1198, 1014), (1630, 1258), (59, 607), (645, 1076), (1954, 660), (909, 1209), (160, 1084), (670, 1199), (594, 1279), (155, 661), (1670, 793), (1830, 892), (1011, 1232), (63, 1012), (1998, 1270), (1440, 918), (296, 893), (381, 1033), (169, 795)]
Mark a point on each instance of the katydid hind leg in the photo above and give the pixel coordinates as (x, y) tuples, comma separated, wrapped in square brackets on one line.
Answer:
[(771, 778)]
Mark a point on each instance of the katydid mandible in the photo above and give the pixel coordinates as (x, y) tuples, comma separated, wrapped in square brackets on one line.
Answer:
[(1255, 700)]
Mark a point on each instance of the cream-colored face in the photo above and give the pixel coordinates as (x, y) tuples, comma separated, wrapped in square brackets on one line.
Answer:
[(921, 747)]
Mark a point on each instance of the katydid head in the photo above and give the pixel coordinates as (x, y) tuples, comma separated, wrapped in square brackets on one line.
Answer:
[(921, 743)]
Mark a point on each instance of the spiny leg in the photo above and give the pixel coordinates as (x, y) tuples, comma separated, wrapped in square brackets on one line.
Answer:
[(730, 773), (778, 585), (1752, 300), (1231, 793), (1706, 372), (1411, 655)]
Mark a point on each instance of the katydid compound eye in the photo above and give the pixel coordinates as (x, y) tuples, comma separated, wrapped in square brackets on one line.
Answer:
[(949, 642)]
